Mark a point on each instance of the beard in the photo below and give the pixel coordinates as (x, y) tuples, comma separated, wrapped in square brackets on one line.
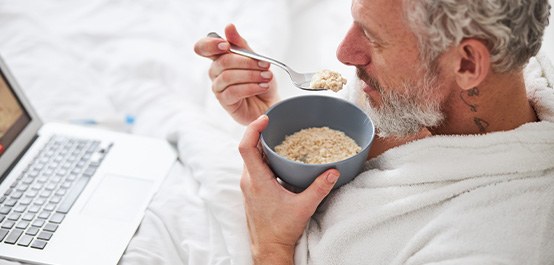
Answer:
[(403, 110)]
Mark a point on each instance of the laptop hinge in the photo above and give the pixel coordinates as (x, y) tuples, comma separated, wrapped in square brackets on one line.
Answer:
[(9, 169)]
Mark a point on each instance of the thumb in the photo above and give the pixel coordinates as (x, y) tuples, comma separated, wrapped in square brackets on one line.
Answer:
[(321, 187), (234, 37), (248, 147)]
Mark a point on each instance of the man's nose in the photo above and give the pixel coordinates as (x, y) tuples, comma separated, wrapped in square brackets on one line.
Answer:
[(353, 50)]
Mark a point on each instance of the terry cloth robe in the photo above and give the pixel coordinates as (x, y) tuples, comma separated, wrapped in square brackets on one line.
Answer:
[(475, 199)]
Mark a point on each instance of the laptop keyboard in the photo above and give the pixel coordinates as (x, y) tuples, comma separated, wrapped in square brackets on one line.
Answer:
[(37, 202)]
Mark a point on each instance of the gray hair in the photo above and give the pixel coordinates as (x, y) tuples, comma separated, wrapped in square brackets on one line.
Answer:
[(511, 29)]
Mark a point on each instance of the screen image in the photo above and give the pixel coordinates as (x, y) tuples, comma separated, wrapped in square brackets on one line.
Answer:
[(13, 117)]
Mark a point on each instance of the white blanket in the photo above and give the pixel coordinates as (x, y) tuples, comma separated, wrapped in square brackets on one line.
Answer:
[(485, 199)]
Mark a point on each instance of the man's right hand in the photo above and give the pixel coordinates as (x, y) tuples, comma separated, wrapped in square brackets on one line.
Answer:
[(244, 87)]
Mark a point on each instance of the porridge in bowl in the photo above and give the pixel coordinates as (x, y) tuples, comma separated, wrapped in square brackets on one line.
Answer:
[(292, 115), (318, 145)]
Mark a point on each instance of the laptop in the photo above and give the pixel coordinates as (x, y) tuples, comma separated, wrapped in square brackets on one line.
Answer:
[(71, 194)]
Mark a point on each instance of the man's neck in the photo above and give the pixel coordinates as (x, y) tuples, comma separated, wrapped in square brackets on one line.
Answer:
[(499, 104)]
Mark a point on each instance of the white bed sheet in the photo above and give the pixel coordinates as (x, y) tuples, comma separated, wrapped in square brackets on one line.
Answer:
[(104, 59)]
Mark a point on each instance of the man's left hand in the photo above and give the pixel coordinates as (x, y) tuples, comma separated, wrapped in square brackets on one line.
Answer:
[(276, 217)]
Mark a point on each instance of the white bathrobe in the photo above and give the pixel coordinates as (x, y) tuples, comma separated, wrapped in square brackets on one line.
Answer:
[(478, 199)]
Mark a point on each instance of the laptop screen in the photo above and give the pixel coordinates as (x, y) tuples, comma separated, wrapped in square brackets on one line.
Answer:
[(13, 117)]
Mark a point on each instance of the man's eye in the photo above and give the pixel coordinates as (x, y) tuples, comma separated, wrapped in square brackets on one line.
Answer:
[(374, 43), (371, 40)]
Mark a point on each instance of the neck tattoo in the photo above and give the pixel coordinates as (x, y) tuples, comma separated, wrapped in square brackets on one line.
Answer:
[(467, 97)]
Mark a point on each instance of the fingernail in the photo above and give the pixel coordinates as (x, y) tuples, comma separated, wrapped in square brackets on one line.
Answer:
[(263, 116), (332, 177), (263, 64), (266, 74), (264, 85), (223, 46)]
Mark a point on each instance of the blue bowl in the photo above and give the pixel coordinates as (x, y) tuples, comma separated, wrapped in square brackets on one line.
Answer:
[(294, 114)]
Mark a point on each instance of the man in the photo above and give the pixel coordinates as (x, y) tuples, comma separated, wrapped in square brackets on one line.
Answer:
[(463, 169)]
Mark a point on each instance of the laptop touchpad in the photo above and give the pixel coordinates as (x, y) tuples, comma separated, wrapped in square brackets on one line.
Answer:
[(118, 197)]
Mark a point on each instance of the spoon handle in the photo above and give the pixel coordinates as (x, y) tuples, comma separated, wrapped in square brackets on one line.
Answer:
[(250, 54)]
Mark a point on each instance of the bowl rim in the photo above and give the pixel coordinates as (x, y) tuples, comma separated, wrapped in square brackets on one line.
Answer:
[(363, 149)]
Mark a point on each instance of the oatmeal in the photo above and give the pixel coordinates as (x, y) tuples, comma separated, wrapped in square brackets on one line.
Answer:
[(328, 79), (317, 146)]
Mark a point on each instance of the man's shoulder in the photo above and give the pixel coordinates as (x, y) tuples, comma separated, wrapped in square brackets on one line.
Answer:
[(509, 220)]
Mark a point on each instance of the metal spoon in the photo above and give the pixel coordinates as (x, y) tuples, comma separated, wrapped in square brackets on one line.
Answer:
[(300, 80)]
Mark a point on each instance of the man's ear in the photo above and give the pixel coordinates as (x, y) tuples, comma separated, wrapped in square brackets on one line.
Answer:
[(473, 63)]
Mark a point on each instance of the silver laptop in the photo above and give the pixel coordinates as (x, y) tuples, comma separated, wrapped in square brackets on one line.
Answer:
[(70, 194)]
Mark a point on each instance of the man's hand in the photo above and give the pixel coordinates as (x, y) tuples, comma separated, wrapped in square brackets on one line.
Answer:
[(276, 217), (244, 87)]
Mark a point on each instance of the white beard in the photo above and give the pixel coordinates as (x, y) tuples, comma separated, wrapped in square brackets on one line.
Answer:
[(400, 115)]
